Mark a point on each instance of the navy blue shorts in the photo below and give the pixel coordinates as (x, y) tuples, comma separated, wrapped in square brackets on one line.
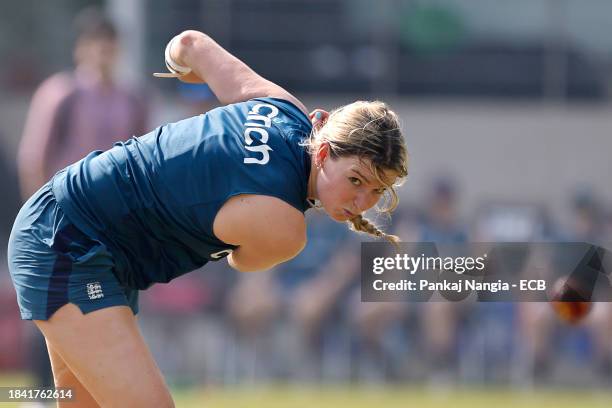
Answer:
[(53, 263)]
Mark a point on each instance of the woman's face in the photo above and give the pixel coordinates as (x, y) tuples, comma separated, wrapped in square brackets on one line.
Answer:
[(99, 54), (346, 187)]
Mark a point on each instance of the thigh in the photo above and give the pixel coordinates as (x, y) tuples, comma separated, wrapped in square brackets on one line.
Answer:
[(63, 377), (106, 352)]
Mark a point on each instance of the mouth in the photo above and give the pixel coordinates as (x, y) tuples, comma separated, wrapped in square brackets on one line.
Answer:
[(349, 214)]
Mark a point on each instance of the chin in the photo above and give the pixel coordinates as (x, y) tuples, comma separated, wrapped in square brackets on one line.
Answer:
[(340, 217)]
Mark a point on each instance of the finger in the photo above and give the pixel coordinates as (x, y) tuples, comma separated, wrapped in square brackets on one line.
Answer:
[(318, 117), (317, 113)]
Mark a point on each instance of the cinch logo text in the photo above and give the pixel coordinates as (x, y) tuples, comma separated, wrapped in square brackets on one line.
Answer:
[(259, 119)]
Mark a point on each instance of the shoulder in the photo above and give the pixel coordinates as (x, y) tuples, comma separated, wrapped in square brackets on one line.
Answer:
[(281, 108), (61, 83), (266, 221), (55, 89)]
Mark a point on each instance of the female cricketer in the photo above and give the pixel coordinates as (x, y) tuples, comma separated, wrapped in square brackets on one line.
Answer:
[(233, 183)]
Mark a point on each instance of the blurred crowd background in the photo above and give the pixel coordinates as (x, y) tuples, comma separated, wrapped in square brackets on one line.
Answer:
[(507, 113)]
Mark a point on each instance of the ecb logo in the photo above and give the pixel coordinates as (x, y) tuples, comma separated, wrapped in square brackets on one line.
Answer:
[(94, 290), (259, 119)]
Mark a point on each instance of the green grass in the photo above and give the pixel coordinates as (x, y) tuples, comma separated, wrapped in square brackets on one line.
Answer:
[(371, 396), (388, 397), (13, 380)]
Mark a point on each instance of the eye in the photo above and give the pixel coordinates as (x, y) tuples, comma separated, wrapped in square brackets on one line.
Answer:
[(355, 181), (380, 191)]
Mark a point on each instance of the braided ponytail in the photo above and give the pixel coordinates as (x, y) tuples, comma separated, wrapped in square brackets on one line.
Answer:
[(361, 224)]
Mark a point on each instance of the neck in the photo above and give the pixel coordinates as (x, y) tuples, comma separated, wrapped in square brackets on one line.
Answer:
[(94, 76), (312, 181)]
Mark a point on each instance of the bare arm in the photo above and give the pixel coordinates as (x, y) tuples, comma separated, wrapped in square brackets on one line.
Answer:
[(267, 231), (39, 134), (230, 79)]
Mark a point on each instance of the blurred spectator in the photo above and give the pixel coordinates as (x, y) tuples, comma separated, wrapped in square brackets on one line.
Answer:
[(545, 334), (278, 318), (440, 320), (314, 286), (253, 312), (11, 329), (9, 205), (316, 311), (182, 324), (589, 227), (254, 303), (440, 223), (73, 113), (587, 217), (379, 328)]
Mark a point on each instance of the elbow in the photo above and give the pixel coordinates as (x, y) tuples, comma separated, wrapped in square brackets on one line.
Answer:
[(262, 263), (297, 247), (189, 39), (185, 43), (244, 265)]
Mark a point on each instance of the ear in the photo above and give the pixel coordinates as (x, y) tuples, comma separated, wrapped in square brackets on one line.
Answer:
[(322, 154), (318, 117)]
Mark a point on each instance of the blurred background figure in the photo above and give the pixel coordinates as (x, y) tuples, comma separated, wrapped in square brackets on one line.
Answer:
[(440, 320), (587, 221), (71, 114), (10, 325), (253, 311), (381, 337), (588, 225), (588, 345), (308, 332), (440, 221), (317, 314)]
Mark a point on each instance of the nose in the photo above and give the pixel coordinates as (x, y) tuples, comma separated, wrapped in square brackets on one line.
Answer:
[(364, 202)]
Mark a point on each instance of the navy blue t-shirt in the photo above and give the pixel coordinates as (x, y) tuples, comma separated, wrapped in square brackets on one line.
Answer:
[(153, 199)]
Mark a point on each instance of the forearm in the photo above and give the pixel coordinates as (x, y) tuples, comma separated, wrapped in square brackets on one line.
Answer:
[(229, 78)]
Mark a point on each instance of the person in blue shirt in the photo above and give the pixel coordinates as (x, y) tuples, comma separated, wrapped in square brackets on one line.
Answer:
[(233, 183)]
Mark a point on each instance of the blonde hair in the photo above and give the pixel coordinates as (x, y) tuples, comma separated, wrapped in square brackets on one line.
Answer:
[(371, 132)]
